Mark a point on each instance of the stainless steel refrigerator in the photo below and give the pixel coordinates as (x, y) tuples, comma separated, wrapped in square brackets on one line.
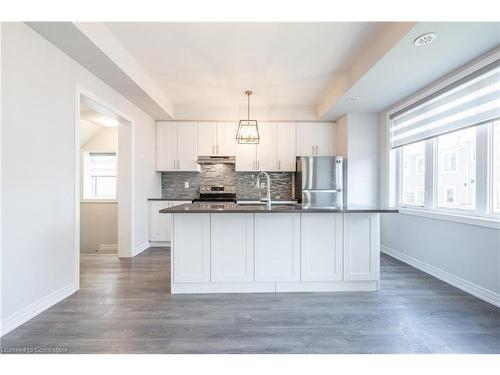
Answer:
[(319, 181)]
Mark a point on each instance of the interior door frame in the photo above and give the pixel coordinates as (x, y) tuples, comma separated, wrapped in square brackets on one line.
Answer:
[(125, 201)]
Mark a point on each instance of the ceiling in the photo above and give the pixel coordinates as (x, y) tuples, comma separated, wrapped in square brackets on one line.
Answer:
[(211, 64), (407, 69)]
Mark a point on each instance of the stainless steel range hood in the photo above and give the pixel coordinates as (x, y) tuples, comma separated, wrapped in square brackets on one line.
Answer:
[(216, 160)]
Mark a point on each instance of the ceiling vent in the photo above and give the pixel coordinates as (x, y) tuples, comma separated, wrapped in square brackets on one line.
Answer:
[(425, 39)]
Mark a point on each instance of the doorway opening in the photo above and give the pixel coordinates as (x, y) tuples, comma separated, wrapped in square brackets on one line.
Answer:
[(104, 179)]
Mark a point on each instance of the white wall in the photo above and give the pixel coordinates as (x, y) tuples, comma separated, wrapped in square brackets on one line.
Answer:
[(464, 255), (98, 220), (357, 139), (38, 152)]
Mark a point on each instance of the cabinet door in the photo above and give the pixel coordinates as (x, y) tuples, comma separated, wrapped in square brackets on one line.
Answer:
[(286, 146), (361, 246), (266, 149), (306, 138), (166, 146), (191, 248), (315, 138), (232, 247), (226, 138), (325, 139), (187, 154), (277, 247), (160, 225), (321, 246), (207, 138), (246, 157)]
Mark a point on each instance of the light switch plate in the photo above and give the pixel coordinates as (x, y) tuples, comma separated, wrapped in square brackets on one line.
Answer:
[(186, 184)]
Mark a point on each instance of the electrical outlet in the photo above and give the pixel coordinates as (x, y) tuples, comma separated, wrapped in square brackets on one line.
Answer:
[(186, 184)]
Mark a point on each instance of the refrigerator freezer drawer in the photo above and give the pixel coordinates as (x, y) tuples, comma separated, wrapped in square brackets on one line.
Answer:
[(321, 199)]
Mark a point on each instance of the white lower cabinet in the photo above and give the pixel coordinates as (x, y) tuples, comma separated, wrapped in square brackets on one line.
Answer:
[(160, 225), (232, 244), (361, 246), (191, 244), (321, 247), (277, 247)]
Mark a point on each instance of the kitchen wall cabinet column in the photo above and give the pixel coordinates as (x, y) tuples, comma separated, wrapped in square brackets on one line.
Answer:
[(266, 149), (176, 146), (207, 138), (286, 146), (166, 146), (226, 138), (315, 138), (246, 157)]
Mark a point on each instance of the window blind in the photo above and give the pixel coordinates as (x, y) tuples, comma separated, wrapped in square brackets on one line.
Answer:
[(471, 101)]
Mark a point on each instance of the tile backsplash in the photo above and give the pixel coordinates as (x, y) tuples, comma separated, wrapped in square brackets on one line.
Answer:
[(172, 183)]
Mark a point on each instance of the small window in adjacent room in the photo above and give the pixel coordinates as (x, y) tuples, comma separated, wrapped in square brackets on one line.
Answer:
[(456, 176), (413, 177), (99, 180)]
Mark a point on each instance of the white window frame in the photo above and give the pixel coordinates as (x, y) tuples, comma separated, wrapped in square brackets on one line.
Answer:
[(483, 215), (84, 178), (418, 172)]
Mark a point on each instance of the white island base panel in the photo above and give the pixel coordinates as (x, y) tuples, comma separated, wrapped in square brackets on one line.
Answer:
[(275, 252)]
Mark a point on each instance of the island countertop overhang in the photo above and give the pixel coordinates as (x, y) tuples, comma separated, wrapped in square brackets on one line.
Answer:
[(277, 208)]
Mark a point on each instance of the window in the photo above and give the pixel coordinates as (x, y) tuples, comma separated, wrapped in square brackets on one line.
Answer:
[(457, 169), (496, 167), (447, 146), (99, 180), (413, 181)]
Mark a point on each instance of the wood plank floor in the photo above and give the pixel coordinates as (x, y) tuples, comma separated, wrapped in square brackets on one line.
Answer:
[(124, 306)]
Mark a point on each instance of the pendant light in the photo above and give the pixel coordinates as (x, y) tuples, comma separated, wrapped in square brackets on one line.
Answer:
[(248, 131)]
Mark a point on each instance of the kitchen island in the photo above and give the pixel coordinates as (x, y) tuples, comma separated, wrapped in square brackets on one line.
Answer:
[(237, 248)]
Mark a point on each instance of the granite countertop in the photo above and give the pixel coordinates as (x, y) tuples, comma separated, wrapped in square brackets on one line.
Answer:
[(275, 208)]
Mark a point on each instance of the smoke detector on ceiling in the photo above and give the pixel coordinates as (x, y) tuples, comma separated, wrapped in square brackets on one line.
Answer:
[(425, 39)]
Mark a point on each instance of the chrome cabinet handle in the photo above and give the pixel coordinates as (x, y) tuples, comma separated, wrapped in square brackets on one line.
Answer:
[(213, 149), (279, 165), (313, 150), (174, 163), (217, 147)]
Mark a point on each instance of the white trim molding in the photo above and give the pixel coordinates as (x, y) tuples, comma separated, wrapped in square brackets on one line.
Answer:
[(140, 248), (160, 243), (482, 221), (456, 281), (29, 312), (108, 249)]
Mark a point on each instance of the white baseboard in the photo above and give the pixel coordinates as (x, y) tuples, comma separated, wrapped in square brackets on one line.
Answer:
[(140, 248), (462, 284), (29, 312), (108, 249), (159, 243)]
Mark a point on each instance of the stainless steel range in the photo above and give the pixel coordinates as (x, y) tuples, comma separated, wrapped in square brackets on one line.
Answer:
[(217, 194)]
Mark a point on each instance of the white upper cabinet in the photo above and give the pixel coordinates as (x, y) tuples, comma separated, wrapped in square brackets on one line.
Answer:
[(187, 154), (315, 138), (286, 146), (176, 146), (217, 138), (267, 156), (226, 138), (246, 157), (207, 138), (166, 146)]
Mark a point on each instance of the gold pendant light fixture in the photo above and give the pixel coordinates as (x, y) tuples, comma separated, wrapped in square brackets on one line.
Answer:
[(248, 131)]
